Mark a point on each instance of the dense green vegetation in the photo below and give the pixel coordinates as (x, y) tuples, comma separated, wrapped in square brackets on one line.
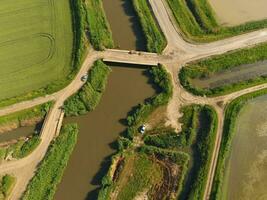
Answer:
[(231, 115), (21, 148), (197, 21), (98, 27), (6, 186), (49, 173), (156, 41), (215, 64), (162, 80), (42, 58), (90, 94)]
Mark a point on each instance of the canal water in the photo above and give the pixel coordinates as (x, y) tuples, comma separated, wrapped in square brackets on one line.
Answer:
[(17, 133), (126, 29), (234, 12), (127, 86), (247, 166)]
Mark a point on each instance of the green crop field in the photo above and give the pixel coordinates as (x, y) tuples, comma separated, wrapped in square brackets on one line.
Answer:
[(36, 41)]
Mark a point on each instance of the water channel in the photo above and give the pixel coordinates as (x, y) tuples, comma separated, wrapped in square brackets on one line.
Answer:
[(17, 133), (126, 29), (233, 75), (246, 177)]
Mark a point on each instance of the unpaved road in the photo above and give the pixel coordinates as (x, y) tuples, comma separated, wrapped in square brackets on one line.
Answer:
[(175, 55)]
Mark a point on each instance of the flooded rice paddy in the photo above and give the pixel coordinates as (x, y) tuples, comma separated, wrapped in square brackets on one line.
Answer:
[(234, 75), (126, 29), (234, 12), (247, 166), (127, 86)]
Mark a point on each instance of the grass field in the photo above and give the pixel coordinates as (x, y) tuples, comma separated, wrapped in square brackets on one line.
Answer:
[(36, 41)]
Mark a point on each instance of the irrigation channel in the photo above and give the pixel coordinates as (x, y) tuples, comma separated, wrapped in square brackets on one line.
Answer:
[(247, 165), (232, 75), (127, 86)]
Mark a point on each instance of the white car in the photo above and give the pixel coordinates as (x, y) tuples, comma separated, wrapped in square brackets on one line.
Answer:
[(84, 78), (143, 129)]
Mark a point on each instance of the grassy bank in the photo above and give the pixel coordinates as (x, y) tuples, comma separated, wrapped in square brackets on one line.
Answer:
[(50, 171), (87, 98), (20, 149), (98, 26), (6, 186), (231, 116), (216, 64), (156, 41), (197, 21), (161, 78)]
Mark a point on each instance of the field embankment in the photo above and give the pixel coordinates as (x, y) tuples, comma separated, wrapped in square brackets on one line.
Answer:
[(197, 21), (207, 68), (155, 39)]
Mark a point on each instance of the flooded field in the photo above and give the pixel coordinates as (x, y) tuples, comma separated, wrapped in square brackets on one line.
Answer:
[(247, 167), (234, 12), (126, 29), (127, 86), (17, 133), (234, 75)]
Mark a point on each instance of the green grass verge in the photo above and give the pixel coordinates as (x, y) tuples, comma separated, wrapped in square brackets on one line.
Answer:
[(88, 97), (156, 41), (52, 50), (6, 186), (50, 171), (231, 115), (197, 21), (215, 64), (98, 27)]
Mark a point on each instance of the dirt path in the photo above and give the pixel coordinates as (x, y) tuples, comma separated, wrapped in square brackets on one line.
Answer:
[(175, 55)]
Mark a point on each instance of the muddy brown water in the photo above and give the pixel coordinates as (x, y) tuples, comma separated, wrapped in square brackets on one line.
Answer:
[(234, 12), (234, 75), (126, 29), (246, 177), (127, 86), (17, 133)]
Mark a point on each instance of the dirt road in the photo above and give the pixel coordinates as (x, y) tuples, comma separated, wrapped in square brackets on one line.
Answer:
[(177, 52)]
